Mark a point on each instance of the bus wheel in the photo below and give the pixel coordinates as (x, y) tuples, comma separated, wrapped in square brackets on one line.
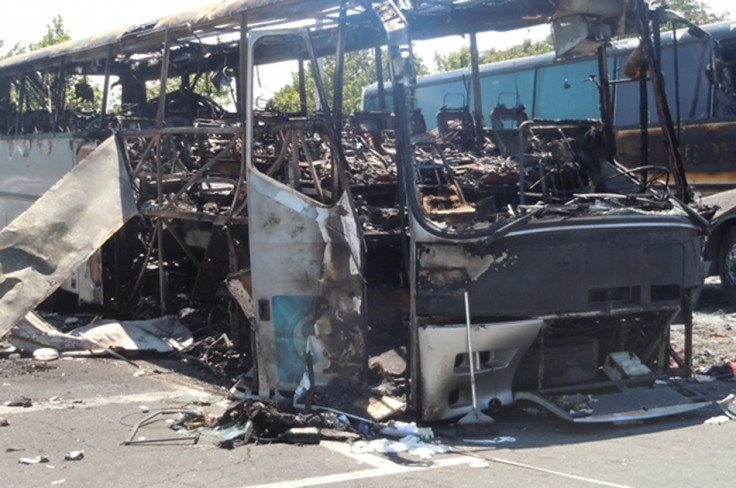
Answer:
[(727, 265)]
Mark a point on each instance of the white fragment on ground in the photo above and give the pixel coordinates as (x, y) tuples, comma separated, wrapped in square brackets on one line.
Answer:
[(46, 354), (35, 460), (197, 397), (728, 405), (396, 428), (719, 420), (479, 464), (410, 444), (492, 440), (74, 456)]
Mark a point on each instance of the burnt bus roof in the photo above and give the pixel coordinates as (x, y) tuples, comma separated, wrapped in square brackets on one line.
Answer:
[(221, 17), (428, 19)]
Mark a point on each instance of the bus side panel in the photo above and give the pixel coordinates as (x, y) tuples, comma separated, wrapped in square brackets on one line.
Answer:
[(566, 91), (707, 149), (28, 167), (693, 85), (62, 229)]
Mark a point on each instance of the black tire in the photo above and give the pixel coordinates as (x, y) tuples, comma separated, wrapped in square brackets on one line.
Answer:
[(727, 265)]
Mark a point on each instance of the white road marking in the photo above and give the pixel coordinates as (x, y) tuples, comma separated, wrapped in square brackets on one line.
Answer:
[(556, 473), (382, 462), (65, 404), (385, 467)]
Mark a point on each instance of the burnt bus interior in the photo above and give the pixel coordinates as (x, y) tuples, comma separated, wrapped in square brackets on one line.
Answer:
[(566, 255)]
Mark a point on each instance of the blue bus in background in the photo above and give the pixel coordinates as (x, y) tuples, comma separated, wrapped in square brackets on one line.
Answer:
[(699, 81)]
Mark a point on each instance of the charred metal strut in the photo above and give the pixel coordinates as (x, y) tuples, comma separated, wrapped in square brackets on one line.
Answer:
[(653, 55)]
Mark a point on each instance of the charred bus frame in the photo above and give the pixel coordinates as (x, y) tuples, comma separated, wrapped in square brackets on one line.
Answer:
[(336, 237)]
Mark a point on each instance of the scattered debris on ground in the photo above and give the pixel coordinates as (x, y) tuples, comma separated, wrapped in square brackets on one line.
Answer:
[(714, 339), (74, 456), (19, 402), (728, 405), (253, 421), (162, 335), (412, 445), (718, 420), (34, 460)]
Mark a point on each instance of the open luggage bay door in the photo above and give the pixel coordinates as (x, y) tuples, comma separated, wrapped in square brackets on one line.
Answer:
[(305, 247)]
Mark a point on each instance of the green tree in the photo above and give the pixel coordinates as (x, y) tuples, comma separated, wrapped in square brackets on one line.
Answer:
[(461, 59), (359, 72), (218, 93), (695, 11), (55, 34), (359, 69), (287, 98)]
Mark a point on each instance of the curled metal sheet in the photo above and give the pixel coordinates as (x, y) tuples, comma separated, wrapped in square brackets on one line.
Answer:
[(62, 229)]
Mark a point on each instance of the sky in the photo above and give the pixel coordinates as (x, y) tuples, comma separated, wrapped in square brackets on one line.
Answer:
[(26, 21)]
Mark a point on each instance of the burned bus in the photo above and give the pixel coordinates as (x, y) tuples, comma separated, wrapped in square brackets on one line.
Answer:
[(323, 239), (699, 64)]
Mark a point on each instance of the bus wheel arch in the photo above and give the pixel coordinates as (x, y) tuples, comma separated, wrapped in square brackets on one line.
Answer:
[(727, 263)]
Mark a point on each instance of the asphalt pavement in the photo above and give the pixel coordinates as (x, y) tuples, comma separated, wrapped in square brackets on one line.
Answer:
[(92, 405)]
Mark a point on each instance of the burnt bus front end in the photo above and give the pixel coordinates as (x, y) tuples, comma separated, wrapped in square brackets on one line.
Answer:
[(550, 300), (558, 268), (572, 265)]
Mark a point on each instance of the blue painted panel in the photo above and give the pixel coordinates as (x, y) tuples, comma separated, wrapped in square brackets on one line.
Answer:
[(371, 103), (504, 88), (430, 98), (293, 317), (564, 91), (694, 86)]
